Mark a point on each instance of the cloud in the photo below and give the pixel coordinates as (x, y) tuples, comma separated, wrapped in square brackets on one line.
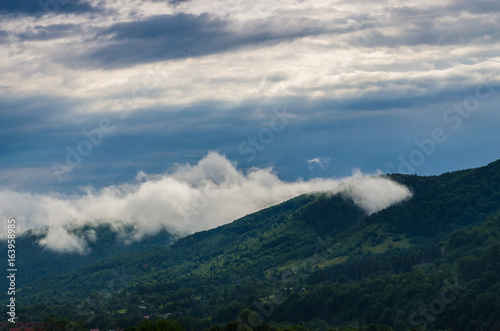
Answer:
[(44, 33), (374, 193), (182, 35), (43, 7), (479, 6), (318, 162), (187, 199), (374, 98), (60, 240)]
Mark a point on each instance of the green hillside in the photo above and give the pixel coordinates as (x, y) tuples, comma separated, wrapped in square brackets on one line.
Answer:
[(315, 260), (42, 262)]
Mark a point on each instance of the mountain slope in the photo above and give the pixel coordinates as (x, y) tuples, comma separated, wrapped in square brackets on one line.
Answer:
[(460, 291), (443, 203), (317, 239), (42, 262)]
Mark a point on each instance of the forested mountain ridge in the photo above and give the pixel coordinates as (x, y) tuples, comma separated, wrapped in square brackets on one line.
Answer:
[(42, 262), (446, 202), (288, 256)]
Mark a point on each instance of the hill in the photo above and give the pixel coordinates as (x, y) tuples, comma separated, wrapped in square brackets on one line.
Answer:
[(107, 243), (316, 260)]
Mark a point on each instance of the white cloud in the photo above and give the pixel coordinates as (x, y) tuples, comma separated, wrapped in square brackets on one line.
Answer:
[(374, 193), (395, 61), (188, 199), (320, 161), (60, 240)]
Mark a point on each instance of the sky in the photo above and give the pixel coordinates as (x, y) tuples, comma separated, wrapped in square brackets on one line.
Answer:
[(96, 94)]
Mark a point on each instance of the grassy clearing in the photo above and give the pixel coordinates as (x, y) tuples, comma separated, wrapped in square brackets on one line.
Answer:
[(386, 245), (336, 260)]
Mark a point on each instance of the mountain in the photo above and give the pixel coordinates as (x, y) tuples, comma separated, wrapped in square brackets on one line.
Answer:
[(107, 243), (316, 260)]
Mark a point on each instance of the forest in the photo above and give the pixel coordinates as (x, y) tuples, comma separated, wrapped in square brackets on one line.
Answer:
[(316, 262)]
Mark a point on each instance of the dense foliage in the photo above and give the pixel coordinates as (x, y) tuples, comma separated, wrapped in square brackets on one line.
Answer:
[(42, 262), (315, 262)]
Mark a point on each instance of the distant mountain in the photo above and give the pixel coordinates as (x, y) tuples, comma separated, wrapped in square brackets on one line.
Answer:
[(316, 260), (41, 262)]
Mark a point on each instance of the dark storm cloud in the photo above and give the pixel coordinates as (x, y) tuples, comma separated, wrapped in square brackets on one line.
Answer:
[(185, 35), (43, 7)]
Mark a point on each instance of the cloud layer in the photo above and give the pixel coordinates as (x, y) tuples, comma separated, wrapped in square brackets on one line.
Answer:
[(364, 81), (187, 199)]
